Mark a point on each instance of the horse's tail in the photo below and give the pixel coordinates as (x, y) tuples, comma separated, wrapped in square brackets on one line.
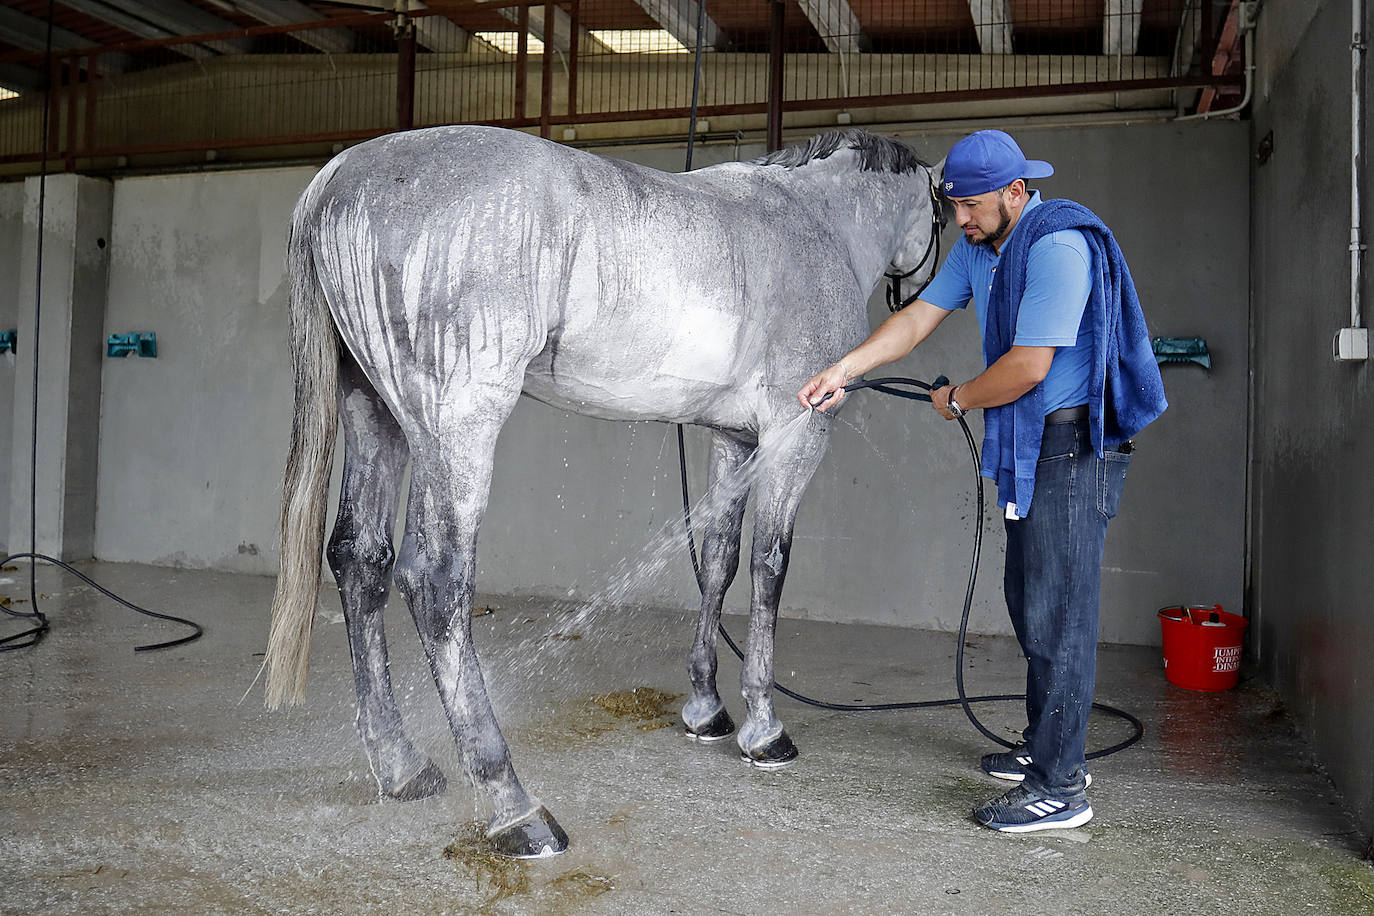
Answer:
[(315, 359)]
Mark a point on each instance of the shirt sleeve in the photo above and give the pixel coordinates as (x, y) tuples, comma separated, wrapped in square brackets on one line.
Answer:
[(951, 289), (1058, 283)]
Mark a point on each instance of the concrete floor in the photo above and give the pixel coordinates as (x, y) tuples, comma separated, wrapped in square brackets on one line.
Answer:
[(141, 783)]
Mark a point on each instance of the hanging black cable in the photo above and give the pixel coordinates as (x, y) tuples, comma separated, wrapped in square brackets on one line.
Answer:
[(893, 386), (33, 636)]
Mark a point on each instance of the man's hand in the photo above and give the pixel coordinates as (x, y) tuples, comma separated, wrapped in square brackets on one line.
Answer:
[(939, 399), (832, 379)]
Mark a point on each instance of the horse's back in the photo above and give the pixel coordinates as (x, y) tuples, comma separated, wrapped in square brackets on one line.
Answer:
[(630, 293)]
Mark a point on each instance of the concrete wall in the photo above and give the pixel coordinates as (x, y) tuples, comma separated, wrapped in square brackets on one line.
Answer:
[(192, 443), (1311, 527)]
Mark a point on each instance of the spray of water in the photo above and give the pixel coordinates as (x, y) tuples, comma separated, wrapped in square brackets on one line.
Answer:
[(638, 572)]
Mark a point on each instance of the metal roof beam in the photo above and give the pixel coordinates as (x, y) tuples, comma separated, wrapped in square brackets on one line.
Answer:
[(438, 33), (838, 26), (1188, 39), (679, 19), (163, 19), (559, 37), (1121, 27), (288, 12), (31, 33), (992, 21)]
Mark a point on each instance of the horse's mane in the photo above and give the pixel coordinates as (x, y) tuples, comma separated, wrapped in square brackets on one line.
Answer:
[(876, 153)]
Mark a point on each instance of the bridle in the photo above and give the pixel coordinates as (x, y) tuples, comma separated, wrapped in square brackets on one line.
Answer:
[(895, 302)]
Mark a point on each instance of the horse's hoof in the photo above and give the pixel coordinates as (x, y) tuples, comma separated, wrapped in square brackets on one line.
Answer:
[(774, 755), (538, 836), (720, 727), (427, 782)]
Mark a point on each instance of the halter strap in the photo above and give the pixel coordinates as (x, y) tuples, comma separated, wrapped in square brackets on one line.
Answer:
[(895, 302)]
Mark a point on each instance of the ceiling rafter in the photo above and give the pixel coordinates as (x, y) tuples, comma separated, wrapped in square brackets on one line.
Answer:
[(158, 19), (1121, 27), (31, 33), (679, 19), (560, 36), (992, 22), (836, 23), (288, 12)]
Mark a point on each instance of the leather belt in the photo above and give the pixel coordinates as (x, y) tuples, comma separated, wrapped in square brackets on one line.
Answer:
[(1067, 414)]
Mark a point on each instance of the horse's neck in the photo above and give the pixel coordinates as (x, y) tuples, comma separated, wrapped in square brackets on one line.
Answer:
[(866, 210)]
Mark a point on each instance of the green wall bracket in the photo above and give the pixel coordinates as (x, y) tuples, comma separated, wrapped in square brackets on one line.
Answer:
[(9, 342), (1182, 350), (143, 343)]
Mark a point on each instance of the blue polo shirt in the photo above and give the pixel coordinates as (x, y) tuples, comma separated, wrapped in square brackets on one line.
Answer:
[(1058, 283)]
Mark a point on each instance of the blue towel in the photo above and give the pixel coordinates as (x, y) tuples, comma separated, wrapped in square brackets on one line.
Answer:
[(1125, 389)]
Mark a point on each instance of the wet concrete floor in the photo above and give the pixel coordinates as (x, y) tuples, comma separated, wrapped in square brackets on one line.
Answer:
[(139, 783)]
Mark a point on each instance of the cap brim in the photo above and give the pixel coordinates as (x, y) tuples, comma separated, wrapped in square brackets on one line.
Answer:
[(1038, 168)]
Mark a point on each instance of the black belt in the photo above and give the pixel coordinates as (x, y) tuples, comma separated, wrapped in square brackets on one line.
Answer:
[(1067, 414)]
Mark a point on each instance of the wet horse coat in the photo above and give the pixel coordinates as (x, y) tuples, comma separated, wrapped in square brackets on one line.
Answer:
[(460, 267)]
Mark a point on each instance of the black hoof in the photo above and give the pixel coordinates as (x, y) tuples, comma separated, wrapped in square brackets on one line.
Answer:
[(538, 836), (774, 755), (427, 782), (720, 727)]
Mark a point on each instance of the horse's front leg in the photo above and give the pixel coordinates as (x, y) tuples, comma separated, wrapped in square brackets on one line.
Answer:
[(450, 479), (720, 520), (762, 740)]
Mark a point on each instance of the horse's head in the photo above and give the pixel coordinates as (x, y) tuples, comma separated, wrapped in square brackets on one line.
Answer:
[(918, 250)]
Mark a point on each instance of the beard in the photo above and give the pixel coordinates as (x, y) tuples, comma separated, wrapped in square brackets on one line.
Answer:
[(1003, 223)]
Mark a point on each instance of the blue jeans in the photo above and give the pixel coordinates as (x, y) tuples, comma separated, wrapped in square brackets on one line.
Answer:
[(1053, 576)]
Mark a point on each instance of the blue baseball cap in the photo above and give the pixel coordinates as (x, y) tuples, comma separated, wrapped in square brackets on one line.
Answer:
[(988, 160)]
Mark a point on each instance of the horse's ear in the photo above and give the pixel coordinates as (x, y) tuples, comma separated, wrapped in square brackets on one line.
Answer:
[(937, 173)]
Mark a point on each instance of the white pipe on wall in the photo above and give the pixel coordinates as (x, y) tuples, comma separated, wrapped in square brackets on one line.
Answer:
[(1352, 343), (1356, 152)]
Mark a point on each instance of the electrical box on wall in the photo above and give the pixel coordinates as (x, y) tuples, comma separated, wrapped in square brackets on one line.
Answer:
[(1352, 344)]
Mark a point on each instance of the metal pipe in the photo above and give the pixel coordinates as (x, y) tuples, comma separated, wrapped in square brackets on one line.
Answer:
[(522, 59), (1247, 13), (405, 71), (546, 73), (777, 34), (1357, 46), (576, 31), (92, 70), (73, 74)]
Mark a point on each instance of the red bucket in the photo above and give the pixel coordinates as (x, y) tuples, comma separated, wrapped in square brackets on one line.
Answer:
[(1202, 646)]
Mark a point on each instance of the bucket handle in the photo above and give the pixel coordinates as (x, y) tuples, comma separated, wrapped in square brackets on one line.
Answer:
[(1185, 612)]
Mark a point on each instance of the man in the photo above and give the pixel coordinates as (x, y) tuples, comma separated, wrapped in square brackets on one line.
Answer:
[(1070, 378)]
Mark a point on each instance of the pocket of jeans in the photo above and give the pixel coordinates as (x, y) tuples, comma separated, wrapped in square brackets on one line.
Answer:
[(1058, 455), (1111, 481)]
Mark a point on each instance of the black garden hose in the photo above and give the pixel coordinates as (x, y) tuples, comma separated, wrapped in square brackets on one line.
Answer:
[(894, 386)]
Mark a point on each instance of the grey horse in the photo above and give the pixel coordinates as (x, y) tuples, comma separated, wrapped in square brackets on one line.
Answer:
[(436, 275)]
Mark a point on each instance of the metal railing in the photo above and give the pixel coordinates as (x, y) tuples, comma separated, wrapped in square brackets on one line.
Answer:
[(346, 79)]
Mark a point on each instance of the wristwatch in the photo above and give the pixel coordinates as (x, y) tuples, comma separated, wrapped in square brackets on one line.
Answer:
[(954, 407)]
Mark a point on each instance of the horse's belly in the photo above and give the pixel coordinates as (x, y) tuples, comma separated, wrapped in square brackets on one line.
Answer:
[(654, 397), (685, 362)]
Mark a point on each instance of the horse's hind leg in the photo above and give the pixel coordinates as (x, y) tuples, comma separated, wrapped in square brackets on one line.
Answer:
[(360, 554), (762, 740), (720, 519), (451, 470)]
